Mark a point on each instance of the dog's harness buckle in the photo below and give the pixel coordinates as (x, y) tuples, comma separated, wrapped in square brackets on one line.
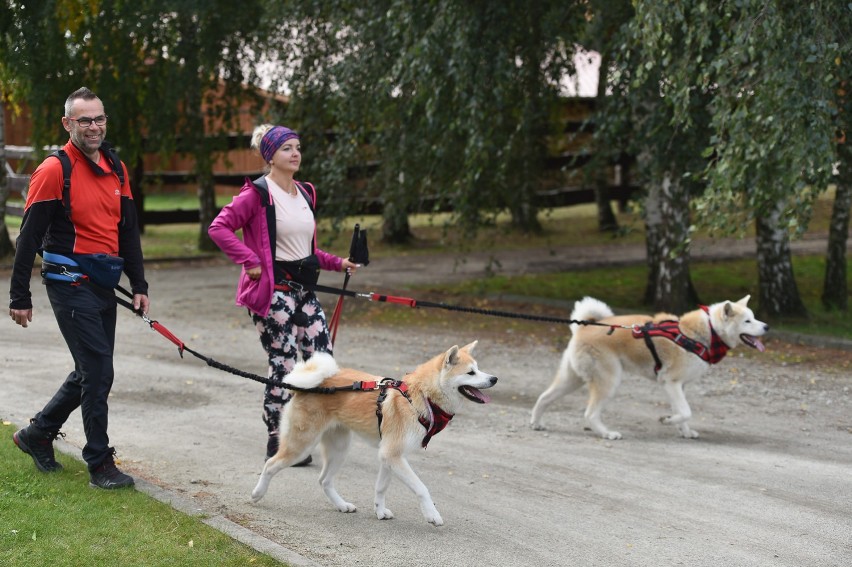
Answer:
[(698, 348)]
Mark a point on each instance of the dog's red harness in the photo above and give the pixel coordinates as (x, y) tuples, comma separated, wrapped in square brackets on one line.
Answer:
[(671, 330), (434, 423)]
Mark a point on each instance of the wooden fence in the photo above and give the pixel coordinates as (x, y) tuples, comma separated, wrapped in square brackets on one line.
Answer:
[(619, 188)]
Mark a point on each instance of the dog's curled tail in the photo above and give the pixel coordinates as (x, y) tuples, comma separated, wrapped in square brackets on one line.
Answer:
[(589, 309), (310, 373)]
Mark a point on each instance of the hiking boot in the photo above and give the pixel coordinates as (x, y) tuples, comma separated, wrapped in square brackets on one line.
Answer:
[(272, 448), (106, 475), (38, 444)]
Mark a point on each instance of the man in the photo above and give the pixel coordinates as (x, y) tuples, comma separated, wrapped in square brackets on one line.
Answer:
[(99, 219)]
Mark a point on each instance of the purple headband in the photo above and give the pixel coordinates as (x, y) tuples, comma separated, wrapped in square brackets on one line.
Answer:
[(273, 140)]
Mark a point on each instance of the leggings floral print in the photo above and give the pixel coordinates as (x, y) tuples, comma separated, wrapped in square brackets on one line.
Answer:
[(282, 341)]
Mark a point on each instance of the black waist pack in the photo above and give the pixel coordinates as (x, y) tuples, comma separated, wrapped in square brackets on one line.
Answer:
[(103, 270), (305, 271)]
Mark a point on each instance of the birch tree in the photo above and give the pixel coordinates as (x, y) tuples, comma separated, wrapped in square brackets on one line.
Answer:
[(767, 67)]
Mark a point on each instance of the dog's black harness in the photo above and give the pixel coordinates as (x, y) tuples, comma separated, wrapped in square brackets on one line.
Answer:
[(671, 330), (434, 424)]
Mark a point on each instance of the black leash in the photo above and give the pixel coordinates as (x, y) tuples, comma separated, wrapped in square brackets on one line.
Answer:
[(356, 386), (413, 303)]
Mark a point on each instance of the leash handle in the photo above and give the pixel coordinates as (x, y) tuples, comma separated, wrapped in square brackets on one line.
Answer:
[(168, 334), (393, 299)]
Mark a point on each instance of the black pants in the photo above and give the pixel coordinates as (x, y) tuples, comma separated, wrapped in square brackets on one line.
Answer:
[(86, 316)]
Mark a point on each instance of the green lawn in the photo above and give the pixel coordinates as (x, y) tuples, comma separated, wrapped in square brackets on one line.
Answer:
[(57, 519)]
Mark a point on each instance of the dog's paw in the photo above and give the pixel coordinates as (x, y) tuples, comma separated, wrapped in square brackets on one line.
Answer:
[(258, 493), (611, 435), (435, 519), (347, 507), (384, 514), (537, 427), (688, 433)]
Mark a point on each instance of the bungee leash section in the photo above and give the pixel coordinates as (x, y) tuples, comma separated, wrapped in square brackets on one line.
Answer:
[(357, 386)]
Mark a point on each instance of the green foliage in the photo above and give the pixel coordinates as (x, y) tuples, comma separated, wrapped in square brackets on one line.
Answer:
[(768, 71), (150, 61), (56, 519), (452, 98)]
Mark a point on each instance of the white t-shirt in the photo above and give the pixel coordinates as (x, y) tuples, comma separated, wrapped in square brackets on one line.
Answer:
[(294, 223)]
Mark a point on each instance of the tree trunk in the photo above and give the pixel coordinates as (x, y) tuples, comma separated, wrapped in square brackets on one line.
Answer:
[(779, 295), (653, 248), (395, 226), (6, 248), (136, 176), (835, 292), (607, 221), (672, 290), (525, 213), (206, 200)]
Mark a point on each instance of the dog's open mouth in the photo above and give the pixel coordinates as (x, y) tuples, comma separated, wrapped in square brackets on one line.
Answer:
[(753, 342), (474, 395)]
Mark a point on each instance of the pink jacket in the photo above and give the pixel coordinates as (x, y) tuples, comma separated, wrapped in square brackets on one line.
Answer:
[(253, 211)]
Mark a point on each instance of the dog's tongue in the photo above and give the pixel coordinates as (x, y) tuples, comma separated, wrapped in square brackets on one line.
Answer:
[(475, 393), (754, 342)]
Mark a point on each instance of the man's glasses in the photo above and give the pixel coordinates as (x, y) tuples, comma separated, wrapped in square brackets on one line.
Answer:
[(85, 122)]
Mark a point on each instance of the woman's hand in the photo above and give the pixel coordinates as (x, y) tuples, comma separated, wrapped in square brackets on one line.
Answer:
[(349, 267), (254, 273)]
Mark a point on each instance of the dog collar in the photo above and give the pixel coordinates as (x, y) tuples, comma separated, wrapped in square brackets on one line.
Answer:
[(436, 421)]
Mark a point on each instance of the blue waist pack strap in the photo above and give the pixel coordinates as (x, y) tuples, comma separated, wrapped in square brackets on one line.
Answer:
[(60, 268)]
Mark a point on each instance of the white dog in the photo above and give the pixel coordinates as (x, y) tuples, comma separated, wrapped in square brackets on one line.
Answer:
[(664, 348), (396, 419)]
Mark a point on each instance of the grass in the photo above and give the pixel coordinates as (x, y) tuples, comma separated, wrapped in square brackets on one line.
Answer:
[(714, 281), (57, 519)]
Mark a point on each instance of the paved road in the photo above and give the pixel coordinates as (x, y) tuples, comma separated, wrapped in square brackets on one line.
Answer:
[(767, 484)]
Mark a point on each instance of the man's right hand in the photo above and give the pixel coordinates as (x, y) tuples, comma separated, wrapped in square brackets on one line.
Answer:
[(21, 316)]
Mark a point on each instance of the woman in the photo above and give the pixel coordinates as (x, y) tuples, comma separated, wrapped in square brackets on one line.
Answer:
[(278, 253)]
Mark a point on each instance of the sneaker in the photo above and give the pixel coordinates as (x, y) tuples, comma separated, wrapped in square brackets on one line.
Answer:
[(107, 476), (38, 444), (272, 448)]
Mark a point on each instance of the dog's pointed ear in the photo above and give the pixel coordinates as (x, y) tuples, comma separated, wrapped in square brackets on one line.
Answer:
[(744, 301), (451, 358), (729, 309), (469, 348)]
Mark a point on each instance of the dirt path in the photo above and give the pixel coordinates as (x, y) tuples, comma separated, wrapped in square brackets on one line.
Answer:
[(768, 483)]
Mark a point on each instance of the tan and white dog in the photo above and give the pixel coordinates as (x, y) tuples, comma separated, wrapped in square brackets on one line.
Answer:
[(410, 414), (600, 356)]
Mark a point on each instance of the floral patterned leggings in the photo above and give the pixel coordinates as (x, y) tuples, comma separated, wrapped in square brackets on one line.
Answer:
[(283, 340)]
